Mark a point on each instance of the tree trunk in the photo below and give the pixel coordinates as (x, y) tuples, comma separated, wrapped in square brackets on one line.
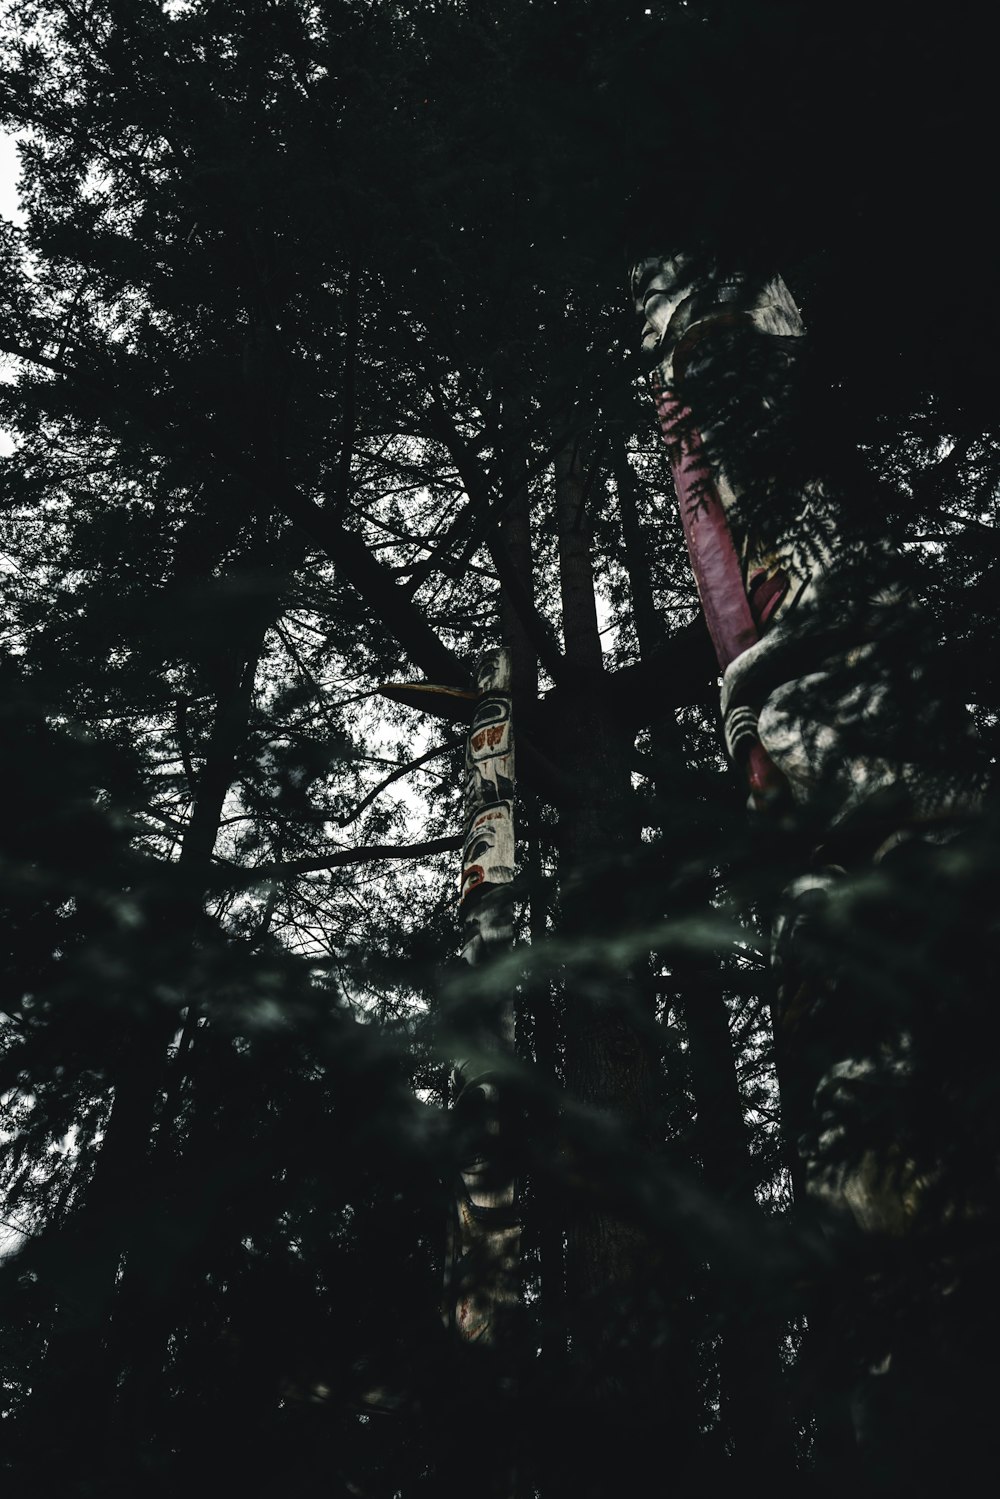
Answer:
[(537, 997), (576, 576), (515, 534), (611, 1059)]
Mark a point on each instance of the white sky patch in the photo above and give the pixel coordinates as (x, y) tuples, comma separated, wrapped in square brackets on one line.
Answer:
[(10, 208), (10, 174), (607, 622)]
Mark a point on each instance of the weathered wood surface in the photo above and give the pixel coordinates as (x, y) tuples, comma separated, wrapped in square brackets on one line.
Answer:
[(457, 703), (815, 637), (481, 1276), (805, 612), (485, 1232)]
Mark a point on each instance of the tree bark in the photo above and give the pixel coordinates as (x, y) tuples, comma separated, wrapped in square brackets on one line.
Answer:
[(515, 535), (576, 576), (611, 1060)]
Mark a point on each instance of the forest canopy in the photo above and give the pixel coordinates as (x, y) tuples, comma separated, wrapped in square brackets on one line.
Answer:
[(321, 372)]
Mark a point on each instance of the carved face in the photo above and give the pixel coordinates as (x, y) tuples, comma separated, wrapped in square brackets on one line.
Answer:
[(681, 303), (659, 288), (488, 854)]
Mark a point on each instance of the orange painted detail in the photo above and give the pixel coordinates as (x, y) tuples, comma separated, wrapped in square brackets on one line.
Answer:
[(490, 737)]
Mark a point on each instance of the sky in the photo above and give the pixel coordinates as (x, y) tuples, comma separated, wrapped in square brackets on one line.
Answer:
[(9, 169), (8, 176)]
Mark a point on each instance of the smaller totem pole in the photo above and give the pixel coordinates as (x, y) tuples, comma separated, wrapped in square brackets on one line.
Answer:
[(483, 1247), (484, 1230)]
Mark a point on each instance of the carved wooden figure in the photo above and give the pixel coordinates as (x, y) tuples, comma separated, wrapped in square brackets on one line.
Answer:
[(483, 1252), (840, 731), (484, 1232), (803, 612)]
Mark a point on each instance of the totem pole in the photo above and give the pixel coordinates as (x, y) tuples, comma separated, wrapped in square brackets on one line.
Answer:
[(741, 592), (803, 611), (834, 729), (847, 743), (484, 1231)]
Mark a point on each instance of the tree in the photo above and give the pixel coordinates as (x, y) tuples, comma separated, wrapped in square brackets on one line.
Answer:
[(325, 376)]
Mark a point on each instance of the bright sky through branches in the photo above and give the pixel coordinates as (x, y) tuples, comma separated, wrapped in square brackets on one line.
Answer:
[(10, 169), (10, 208)]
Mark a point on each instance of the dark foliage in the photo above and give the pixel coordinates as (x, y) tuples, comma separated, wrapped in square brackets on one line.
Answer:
[(311, 307)]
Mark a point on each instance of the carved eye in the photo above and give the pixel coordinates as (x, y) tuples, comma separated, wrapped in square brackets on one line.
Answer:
[(641, 276), (660, 275)]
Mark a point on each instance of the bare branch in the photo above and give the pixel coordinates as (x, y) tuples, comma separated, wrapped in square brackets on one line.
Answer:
[(232, 877), (397, 774)]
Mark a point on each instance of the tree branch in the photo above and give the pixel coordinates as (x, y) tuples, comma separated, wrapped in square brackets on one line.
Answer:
[(397, 774), (488, 510), (361, 569), (229, 876), (368, 577), (184, 745)]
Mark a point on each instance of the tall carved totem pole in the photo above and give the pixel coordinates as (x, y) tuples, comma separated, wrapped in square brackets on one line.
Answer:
[(481, 1275), (822, 709), (829, 711)]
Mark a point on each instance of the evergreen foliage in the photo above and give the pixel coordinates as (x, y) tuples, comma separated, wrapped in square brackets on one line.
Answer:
[(321, 372)]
